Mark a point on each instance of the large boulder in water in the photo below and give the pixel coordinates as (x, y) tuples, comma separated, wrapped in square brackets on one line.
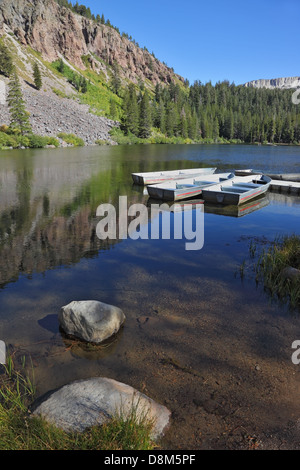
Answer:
[(95, 401), (90, 320)]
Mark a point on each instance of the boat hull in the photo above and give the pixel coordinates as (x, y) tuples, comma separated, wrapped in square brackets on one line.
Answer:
[(238, 190), (159, 176)]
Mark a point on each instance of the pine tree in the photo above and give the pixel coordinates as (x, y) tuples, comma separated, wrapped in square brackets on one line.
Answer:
[(145, 117), (116, 83), (113, 109), (130, 120), (160, 116), (61, 66), (19, 116), (6, 62), (37, 76)]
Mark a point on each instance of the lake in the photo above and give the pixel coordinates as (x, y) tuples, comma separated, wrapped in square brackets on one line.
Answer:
[(201, 336)]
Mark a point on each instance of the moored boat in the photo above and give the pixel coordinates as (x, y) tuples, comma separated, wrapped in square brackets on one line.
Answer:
[(160, 176), (237, 190), (186, 188)]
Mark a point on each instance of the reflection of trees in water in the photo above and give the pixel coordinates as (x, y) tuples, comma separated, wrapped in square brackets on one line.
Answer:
[(51, 220)]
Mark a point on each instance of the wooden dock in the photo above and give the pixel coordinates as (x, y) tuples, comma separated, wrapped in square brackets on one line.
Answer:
[(288, 187)]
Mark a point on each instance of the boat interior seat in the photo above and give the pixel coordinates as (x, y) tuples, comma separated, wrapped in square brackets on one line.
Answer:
[(182, 186), (201, 183), (247, 185), (233, 189)]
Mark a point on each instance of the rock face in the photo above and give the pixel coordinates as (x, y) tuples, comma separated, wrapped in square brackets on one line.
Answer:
[(54, 31), (282, 83), (90, 320), (95, 401)]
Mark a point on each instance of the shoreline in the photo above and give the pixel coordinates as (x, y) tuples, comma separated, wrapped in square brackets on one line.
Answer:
[(64, 144)]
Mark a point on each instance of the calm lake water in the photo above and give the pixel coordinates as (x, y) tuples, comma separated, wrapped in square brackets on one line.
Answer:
[(195, 330)]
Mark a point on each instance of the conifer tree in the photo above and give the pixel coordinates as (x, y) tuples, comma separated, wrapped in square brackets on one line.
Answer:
[(6, 62), (113, 109), (145, 117), (19, 116), (116, 83), (130, 121), (37, 76)]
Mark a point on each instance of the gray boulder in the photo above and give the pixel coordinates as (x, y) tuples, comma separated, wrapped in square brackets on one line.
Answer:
[(90, 320), (290, 273), (95, 401)]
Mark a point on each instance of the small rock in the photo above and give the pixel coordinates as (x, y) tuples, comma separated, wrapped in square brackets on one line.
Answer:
[(95, 401), (90, 320), (290, 273)]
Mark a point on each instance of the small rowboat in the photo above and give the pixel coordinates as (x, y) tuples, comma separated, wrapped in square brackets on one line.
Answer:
[(186, 188), (237, 190), (160, 176)]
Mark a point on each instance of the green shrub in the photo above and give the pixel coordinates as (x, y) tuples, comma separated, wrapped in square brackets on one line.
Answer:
[(37, 141), (71, 139), (53, 141), (102, 142), (12, 138), (7, 140)]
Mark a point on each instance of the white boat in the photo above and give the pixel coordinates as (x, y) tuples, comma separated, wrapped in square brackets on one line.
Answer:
[(186, 188), (237, 190), (160, 176), (247, 172)]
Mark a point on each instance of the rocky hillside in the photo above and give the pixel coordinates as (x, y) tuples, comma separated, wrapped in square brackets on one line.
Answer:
[(41, 31), (282, 83), (56, 107), (53, 31)]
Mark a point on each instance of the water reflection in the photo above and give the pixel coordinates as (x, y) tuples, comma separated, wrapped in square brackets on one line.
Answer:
[(188, 306)]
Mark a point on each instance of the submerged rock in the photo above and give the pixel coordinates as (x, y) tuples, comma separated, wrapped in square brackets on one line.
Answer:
[(95, 401), (291, 273), (90, 320)]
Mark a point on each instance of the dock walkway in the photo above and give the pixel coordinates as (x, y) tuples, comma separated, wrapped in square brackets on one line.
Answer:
[(289, 187)]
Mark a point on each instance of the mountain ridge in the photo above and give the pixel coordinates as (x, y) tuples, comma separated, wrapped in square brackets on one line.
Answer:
[(282, 83)]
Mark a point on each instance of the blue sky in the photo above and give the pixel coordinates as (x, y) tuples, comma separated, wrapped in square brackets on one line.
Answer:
[(213, 40)]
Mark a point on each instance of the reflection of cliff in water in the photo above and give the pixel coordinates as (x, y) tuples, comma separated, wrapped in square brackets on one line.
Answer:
[(48, 203), (48, 213)]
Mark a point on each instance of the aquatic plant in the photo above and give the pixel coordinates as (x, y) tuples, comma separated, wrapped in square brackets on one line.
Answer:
[(271, 268)]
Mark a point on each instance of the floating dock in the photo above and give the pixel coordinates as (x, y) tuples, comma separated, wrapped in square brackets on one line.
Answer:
[(288, 187)]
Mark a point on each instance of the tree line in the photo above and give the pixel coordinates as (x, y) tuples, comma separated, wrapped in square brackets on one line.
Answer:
[(220, 112)]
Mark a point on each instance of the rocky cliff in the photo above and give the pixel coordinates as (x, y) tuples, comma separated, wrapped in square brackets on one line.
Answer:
[(54, 31), (282, 83)]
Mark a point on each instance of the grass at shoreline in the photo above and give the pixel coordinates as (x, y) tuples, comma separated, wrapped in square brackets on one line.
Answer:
[(272, 265), (19, 430)]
